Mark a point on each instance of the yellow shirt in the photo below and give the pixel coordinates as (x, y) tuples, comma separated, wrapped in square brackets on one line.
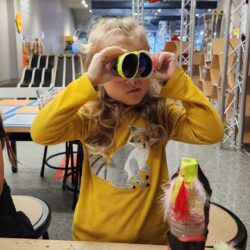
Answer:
[(121, 202)]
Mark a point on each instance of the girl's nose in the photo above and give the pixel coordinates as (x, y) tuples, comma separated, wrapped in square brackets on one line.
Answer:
[(132, 82)]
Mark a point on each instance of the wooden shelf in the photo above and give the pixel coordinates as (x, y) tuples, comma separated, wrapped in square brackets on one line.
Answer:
[(246, 137), (210, 71), (197, 57), (216, 69), (196, 67), (174, 47)]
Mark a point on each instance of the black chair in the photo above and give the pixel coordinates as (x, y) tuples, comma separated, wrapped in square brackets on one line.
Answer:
[(47, 78), (78, 68), (28, 74), (59, 79), (43, 61), (69, 70), (38, 212), (34, 61), (51, 62), (37, 77)]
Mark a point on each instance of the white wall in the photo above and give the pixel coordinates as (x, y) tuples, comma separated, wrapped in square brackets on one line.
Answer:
[(82, 17), (46, 19), (5, 67)]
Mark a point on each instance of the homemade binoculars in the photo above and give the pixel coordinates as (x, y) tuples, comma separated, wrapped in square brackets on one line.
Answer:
[(137, 64)]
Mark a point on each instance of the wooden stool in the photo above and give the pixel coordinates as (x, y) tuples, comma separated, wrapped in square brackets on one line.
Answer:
[(37, 211), (225, 226)]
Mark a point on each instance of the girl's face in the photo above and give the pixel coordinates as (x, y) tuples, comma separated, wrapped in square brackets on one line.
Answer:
[(129, 92)]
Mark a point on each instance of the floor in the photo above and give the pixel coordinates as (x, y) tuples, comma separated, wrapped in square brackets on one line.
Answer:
[(227, 170)]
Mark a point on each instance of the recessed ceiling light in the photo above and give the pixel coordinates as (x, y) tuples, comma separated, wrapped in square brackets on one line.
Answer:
[(84, 3)]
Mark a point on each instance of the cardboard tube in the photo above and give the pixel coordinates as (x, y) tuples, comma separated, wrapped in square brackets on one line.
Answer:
[(127, 65)]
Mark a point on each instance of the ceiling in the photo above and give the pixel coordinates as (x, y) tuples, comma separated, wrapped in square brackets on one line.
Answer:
[(153, 12), (110, 4)]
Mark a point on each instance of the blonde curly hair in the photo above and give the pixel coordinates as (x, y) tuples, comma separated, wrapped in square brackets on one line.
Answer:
[(108, 113)]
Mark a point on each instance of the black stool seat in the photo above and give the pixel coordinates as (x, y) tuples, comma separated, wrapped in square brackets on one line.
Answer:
[(37, 211), (225, 226)]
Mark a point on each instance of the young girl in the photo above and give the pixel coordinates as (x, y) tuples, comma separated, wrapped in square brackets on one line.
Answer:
[(13, 224), (124, 127)]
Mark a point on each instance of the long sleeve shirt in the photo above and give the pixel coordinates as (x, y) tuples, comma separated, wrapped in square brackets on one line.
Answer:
[(121, 202)]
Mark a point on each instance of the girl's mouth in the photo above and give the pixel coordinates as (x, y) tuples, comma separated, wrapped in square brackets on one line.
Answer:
[(134, 91)]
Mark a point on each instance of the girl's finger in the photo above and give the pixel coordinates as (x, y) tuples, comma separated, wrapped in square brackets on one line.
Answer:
[(110, 53), (109, 66), (166, 57)]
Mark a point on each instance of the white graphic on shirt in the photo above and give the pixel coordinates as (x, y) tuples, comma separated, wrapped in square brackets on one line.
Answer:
[(128, 166)]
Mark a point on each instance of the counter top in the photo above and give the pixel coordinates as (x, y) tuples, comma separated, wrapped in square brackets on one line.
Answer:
[(27, 244)]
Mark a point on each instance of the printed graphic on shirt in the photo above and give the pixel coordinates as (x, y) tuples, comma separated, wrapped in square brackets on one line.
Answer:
[(128, 166)]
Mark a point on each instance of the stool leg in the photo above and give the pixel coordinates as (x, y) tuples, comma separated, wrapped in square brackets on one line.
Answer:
[(78, 174), (76, 189), (65, 176), (72, 164), (45, 235), (44, 161)]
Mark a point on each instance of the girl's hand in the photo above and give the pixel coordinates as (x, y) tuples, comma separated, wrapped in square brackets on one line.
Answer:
[(100, 68), (166, 65)]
